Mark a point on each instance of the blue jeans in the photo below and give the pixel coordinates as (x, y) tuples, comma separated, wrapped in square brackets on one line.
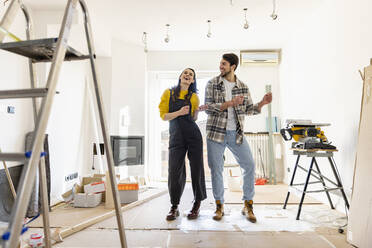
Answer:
[(243, 156)]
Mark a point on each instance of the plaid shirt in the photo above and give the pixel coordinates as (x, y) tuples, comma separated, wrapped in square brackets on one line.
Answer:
[(217, 119)]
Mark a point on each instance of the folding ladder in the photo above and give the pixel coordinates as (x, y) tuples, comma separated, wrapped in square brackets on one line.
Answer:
[(53, 50)]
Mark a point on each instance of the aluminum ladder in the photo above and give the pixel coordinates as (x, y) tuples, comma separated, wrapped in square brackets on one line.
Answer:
[(54, 50)]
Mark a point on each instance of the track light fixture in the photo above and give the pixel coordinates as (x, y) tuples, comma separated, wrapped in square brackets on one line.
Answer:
[(166, 39), (246, 24), (273, 15), (209, 34), (144, 41)]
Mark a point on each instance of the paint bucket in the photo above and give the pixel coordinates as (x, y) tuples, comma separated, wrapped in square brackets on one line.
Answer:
[(234, 183), (36, 240)]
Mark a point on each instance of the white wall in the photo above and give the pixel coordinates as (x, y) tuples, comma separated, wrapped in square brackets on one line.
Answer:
[(257, 77), (179, 60), (128, 94), (67, 127), (320, 79), (128, 89), (104, 75), (104, 71), (70, 126), (13, 127)]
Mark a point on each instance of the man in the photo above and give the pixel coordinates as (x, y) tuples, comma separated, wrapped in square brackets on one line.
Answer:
[(227, 101)]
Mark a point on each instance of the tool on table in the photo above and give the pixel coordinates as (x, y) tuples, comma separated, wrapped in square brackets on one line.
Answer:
[(307, 135)]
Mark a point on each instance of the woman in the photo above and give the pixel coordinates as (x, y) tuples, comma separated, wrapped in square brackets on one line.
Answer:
[(179, 106)]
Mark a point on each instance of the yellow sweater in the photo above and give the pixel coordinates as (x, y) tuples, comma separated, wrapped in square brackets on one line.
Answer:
[(164, 103)]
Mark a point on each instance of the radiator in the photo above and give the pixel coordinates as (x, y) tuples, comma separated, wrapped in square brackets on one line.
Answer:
[(258, 142)]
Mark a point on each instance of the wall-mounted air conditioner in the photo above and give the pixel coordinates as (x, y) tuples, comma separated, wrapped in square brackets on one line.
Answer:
[(259, 57)]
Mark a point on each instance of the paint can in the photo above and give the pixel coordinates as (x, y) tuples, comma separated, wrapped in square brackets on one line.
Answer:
[(36, 240)]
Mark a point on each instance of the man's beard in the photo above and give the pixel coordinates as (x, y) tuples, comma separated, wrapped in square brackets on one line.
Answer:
[(224, 74)]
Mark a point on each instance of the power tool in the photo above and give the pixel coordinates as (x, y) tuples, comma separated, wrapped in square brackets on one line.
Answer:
[(307, 135)]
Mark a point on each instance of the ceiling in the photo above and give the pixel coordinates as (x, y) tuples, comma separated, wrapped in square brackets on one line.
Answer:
[(127, 20)]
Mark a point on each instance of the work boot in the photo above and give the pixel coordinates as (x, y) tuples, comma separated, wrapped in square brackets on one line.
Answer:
[(194, 212), (219, 211), (173, 213), (248, 211)]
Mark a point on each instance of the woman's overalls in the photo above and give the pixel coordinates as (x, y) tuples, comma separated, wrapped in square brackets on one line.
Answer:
[(185, 137)]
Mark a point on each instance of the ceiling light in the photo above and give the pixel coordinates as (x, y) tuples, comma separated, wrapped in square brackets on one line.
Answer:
[(209, 34), (144, 41), (246, 24), (273, 15), (166, 39)]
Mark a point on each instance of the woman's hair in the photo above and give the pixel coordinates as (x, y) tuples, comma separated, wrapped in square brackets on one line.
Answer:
[(177, 89)]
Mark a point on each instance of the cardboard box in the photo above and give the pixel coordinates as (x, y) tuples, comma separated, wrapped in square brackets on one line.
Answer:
[(96, 178), (83, 200), (92, 188), (69, 195), (103, 176), (89, 180), (128, 192)]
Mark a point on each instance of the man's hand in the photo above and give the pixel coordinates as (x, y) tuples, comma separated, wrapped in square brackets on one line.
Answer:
[(203, 107), (237, 100), (267, 98), (184, 110)]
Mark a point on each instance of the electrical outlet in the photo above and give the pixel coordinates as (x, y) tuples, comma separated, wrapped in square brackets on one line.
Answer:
[(70, 177), (101, 147), (10, 110), (289, 169)]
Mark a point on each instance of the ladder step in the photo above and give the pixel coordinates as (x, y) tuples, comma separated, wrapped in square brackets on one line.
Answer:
[(23, 93), (13, 157), (40, 50), (18, 156)]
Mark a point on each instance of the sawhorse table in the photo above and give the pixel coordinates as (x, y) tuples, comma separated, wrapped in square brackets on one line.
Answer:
[(314, 153)]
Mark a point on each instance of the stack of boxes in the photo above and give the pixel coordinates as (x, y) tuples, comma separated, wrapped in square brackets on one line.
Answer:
[(93, 191), (89, 195)]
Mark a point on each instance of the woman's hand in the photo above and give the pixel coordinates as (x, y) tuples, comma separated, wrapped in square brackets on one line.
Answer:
[(203, 107), (184, 110)]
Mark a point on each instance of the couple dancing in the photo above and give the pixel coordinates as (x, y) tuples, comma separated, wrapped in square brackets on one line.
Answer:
[(227, 101)]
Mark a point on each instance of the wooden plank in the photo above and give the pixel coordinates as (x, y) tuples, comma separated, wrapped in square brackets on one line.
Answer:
[(362, 195)]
